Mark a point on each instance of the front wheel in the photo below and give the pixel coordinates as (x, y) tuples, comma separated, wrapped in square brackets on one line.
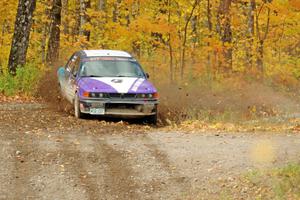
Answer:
[(151, 119), (78, 114)]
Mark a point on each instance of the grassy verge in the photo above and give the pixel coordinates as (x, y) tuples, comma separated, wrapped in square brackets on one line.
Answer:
[(280, 183), (24, 83)]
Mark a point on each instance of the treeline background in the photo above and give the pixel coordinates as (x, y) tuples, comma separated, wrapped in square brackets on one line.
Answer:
[(176, 40)]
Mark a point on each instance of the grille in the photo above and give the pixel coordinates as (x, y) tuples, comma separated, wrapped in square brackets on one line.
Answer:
[(122, 96)]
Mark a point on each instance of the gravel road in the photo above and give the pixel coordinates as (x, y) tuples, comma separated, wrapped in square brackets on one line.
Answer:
[(45, 154)]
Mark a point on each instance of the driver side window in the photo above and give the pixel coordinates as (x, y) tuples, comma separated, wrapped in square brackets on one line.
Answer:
[(76, 66), (70, 63), (73, 65)]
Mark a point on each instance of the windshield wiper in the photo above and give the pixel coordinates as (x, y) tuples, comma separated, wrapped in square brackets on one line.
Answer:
[(91, 76), (121, 76)]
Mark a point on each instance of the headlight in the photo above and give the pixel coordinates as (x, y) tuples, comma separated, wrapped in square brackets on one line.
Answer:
[(147, 96), (97, 95), (86, 94)]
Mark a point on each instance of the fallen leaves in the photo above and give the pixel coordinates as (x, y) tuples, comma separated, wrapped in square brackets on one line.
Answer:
[(198, 126)]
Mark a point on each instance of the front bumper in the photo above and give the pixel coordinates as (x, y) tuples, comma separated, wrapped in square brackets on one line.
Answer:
[(119, 107)]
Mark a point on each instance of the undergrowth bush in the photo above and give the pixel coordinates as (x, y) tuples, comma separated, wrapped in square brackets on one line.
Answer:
[(23, 83)]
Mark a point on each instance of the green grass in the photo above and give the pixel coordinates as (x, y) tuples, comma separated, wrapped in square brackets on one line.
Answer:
[(287, 182), (279, 183), (23, 83)]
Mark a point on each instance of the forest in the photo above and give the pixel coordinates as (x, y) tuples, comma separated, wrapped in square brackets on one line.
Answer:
[(180, 39)]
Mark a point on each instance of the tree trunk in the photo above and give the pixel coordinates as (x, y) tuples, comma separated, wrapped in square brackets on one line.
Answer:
[(225, 32), (102, 5), (170, 44), (84, 18), (65, 13), (250, 34), (260, 57), (116, 10), (53, 44), (183, 47), (43, 42), (261, 39), (76, 28), (21, 35), (210, 27)]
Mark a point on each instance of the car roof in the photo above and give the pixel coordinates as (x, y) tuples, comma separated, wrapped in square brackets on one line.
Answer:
[(100, 53)]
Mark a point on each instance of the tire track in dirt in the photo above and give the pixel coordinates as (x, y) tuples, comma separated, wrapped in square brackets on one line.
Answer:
[(25, 166), (119, 174), (164, 161), (102, 172), (157, 177), (178, 182), (74, 162)]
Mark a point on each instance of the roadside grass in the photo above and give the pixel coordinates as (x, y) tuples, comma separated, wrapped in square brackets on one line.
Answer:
[(279, 183), (24, 83)]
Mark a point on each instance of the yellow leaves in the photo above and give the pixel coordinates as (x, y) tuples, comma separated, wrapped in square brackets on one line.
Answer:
[(144, 24), (199, 126)]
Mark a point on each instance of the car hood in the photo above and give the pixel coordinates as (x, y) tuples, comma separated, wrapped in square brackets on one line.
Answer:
[(116, 85)]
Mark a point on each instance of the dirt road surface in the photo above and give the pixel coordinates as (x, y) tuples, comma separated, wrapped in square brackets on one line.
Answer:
[(46, 154)]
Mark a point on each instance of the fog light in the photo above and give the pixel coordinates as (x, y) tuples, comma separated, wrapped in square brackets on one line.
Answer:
[(139, 108), (148, 108)]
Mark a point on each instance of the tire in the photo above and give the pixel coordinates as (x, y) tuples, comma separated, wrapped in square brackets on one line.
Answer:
[(151, 119), (78, 114)]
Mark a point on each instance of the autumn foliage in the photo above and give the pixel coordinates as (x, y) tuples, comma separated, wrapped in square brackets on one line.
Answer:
[(179, 39)]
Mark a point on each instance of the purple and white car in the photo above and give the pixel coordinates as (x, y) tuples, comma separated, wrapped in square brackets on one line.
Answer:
[(108, 83)]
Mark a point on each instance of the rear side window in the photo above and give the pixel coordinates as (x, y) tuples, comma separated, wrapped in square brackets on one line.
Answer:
[(75, 66)]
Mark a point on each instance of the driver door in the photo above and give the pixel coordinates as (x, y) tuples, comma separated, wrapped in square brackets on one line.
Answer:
[(73, 66)]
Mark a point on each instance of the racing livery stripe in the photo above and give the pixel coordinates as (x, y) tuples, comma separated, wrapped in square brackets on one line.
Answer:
[(137, 84), (122, 86)]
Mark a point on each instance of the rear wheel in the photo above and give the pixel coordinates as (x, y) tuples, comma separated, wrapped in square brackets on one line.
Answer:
[(78, 114)]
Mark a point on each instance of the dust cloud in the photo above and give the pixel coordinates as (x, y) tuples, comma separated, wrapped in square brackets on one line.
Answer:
[(48, 90), (232, 99)]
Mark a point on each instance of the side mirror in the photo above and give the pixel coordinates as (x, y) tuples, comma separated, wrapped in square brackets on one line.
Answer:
[(61, 71), (74, 74), (147, 75)]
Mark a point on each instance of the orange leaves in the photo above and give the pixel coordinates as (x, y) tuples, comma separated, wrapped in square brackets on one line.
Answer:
[(295, 4), (144, 24)]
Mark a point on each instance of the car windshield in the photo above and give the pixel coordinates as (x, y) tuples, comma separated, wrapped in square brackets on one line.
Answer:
[(110, 67)]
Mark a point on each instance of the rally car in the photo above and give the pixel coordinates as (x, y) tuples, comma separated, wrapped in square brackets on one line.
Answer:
[(108, 83)]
